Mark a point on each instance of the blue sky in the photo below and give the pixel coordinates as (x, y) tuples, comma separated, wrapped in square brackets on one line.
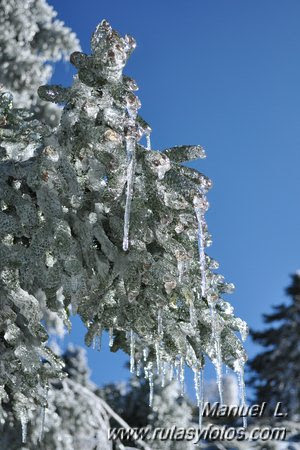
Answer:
[(224, 74)]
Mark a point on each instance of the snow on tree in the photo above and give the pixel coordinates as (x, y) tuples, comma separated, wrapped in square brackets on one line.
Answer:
[(95, 221), (26, 362), (169, 409), (276, 371), (75, 417), (30, 40), (231, 391)]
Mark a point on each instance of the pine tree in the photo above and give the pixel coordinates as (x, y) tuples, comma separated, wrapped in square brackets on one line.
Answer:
[(276, 376), (94, 221), (30, 40)]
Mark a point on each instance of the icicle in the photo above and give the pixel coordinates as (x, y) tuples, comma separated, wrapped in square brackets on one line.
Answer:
[(41, 433), (24, 420), (216, 339), (157, 350), (138, 368), (177, 372), (151, 386), (97, 341), (219, 368), (163, 376), (145, 353), (199, 215), (171, 372), (159, 323), (111, 337), (181, 375), (148, 140), (130, 150), (199, 389), (132, 350), (241, 382)]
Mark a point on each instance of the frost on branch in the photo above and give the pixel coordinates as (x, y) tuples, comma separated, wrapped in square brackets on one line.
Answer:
[(76, 196), (31, 38), (75, 417), (128, 282)]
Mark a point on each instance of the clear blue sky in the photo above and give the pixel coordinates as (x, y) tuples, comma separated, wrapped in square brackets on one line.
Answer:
[(224, 74)]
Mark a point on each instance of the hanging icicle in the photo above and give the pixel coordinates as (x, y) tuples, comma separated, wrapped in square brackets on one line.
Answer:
[(199, 390), (159, 323), (216, 342), (145, 353), (138, 367), (97, 341), (157, 351), (163, 373), (200, 206), (130, 150), (151, 384), (24, 421), (132, 351), (239, 369), (200, 218), (177, 371), (111, 337), (171, 372), (148, 140), (181, 375)]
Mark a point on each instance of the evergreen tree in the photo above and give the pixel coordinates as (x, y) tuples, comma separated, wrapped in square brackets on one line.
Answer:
[(276, 374), (30, 40), (94, 221)]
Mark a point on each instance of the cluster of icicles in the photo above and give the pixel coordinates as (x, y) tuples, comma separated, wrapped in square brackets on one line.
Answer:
[(175, 370), (168, 370)]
